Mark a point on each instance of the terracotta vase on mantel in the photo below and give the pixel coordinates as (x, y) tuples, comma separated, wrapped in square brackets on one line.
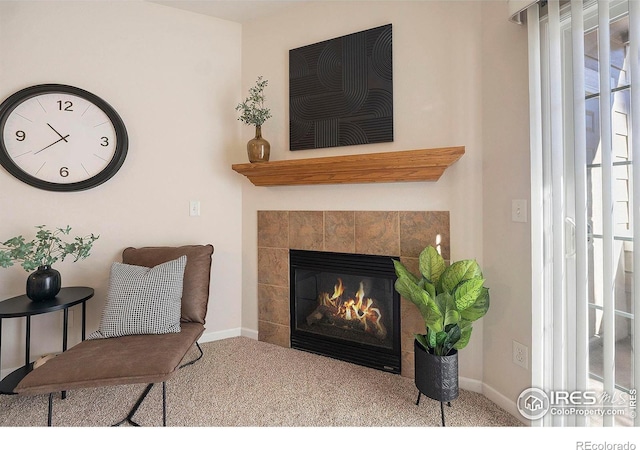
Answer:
[(258, 148)]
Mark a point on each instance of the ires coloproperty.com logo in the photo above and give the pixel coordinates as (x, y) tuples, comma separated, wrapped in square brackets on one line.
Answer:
[(534, 403)]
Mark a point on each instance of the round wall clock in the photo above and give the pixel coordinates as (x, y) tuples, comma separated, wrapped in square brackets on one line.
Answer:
[(61, 138)]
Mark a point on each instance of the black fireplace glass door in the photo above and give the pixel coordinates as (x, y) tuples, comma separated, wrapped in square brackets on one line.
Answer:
[(345, 306)]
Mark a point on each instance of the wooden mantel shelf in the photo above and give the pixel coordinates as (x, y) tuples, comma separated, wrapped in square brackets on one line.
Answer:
[(410, 165)]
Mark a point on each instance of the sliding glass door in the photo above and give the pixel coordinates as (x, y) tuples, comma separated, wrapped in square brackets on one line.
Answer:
[(585, 70), (620, 233)]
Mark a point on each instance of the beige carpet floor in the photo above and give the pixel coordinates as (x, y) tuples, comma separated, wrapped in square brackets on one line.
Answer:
[(241, 382)]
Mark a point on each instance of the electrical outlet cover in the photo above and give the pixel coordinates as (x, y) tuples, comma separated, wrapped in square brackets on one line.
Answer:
[(520, 355)]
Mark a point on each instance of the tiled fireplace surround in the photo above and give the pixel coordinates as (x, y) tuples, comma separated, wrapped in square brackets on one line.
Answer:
[(396, 233)]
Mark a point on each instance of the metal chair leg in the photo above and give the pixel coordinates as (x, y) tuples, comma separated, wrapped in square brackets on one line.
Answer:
[(129, 418), (193, 361), (164, 403), (50, 409)]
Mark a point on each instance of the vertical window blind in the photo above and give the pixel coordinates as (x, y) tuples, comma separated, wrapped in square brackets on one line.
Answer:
[(584, 76)]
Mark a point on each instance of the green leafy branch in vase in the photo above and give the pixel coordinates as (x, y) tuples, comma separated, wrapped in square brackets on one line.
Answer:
[(253, 111), (45, 249)]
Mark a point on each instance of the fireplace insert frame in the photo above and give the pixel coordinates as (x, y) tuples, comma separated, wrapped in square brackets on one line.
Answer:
[(381, 266)]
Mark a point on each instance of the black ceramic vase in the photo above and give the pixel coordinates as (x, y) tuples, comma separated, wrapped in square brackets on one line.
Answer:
[(43, 284), (436, 376)]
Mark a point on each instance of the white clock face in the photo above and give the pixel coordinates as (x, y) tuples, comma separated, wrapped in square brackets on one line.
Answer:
[(59, 138)]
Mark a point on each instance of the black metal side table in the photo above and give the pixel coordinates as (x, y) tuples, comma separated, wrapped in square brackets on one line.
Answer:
[(23, 306)]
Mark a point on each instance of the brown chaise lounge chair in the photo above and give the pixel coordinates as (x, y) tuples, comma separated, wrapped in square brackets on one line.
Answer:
[(132, 359)]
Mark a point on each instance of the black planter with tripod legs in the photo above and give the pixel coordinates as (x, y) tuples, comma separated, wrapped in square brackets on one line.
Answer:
[(449, 298), (436, 376)]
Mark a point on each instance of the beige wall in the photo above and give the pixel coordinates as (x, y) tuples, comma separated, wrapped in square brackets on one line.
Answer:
[(174, 77), (441, 69), (507, 244)]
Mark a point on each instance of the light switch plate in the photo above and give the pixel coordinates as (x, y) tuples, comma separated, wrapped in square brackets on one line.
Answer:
[(194, 208)]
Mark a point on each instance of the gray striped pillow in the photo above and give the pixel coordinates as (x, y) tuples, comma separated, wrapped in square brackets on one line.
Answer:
[(142, 300)]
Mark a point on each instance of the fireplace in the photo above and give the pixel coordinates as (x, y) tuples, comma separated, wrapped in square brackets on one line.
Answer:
[(345, 306)]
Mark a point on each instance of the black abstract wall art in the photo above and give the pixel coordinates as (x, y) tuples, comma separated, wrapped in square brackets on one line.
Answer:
[(341, 91)]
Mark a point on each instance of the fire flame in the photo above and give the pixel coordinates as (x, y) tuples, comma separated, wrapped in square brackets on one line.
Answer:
[(358, 309)]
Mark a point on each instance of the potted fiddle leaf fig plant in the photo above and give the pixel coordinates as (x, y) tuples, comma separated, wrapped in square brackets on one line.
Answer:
[(40, 253), (449, 298), (254, 112)]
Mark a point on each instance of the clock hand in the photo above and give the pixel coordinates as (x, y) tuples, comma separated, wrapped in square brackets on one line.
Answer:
[(62, 138), (56, 131)]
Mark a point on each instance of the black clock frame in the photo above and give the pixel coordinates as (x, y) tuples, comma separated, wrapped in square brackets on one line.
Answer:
[(122, 139)]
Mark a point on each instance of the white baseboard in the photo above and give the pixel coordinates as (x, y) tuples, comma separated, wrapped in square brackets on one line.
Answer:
[(504, 402), (253, 334), (469, 384), (210, 336)]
